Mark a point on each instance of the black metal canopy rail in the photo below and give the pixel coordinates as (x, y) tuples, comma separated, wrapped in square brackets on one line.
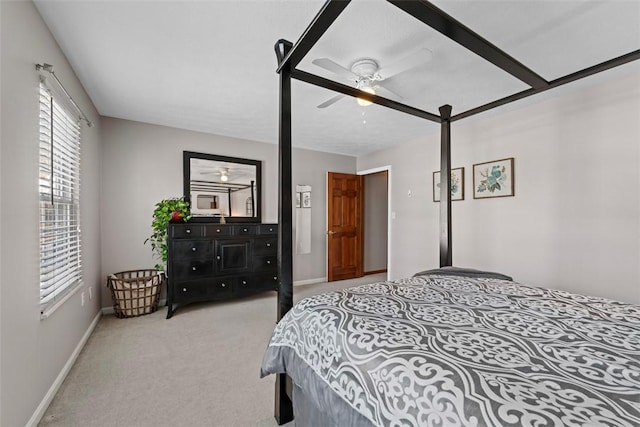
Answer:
[(289, 56)]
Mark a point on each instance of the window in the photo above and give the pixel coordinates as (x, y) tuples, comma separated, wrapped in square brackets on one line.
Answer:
[(60, 254)]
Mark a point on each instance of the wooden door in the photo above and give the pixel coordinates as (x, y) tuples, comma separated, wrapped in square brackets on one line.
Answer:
[(344, 234)]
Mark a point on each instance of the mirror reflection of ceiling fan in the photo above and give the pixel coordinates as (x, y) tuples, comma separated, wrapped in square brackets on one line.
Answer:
[(367, 76), (222, 173)]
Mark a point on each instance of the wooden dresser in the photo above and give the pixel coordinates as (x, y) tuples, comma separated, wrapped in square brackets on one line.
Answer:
[(208, 262)]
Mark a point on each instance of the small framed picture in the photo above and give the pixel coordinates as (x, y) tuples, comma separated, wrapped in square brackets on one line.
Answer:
[(306, 199), (298, 196), (493, 179), (457, 185)]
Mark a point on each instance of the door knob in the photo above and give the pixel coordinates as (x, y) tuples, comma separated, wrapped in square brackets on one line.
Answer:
[(330, 232)]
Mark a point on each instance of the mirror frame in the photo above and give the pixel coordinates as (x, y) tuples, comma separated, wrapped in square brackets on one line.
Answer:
[(186, 167)]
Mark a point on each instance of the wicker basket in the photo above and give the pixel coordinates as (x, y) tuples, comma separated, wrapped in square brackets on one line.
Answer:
[(135, 292)]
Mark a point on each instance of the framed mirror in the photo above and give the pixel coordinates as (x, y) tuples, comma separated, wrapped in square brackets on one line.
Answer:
[(219, 186)]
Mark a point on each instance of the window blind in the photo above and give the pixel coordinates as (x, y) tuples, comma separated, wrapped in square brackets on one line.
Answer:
[(59, 190)]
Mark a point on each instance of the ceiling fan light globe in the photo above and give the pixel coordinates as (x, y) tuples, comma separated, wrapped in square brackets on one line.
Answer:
[(224, 178), (364, 102)]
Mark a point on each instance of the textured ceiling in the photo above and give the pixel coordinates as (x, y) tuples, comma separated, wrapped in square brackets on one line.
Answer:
[(210, 65)]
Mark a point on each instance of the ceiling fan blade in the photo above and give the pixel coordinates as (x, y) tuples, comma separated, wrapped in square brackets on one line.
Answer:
[(331, 101), (387, 93), (338, 69), (408, 62)]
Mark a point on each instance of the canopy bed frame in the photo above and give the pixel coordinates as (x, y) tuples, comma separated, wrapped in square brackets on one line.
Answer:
[(224, 187), (289, 56)]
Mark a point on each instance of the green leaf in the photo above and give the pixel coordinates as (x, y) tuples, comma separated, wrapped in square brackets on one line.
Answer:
[(161, 216)]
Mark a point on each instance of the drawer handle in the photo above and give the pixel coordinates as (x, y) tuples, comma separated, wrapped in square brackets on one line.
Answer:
[(224, 285), (275, 277), (244, 282), (193, 249), (188, 231), (184, 289), (268, 261), (268, 245), (193, 268), (217, 230), (270, 229), (218, 257), (245, 230)]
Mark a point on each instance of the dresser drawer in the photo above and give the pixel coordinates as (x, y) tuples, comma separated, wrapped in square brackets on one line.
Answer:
[(203, 289), (268, 228), (182, 231), (265, 246), (268, 281), (192, 268), (245, 230), (218, 230), (191, 290), (221, 287), (265, 262), (257, 282), (192, 249)]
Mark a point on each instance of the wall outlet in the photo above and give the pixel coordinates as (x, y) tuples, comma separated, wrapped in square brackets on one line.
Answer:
[(82, 299)]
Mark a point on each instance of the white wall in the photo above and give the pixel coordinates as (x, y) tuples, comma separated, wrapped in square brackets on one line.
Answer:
[(34, 351), (574, 223), (142, 164)]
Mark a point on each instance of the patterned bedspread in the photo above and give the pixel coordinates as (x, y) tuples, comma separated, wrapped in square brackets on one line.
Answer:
[(452, 351)]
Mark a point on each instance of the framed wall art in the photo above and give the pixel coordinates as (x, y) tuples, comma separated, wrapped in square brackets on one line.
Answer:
[(306, 199), (493, 179), (457, 185)]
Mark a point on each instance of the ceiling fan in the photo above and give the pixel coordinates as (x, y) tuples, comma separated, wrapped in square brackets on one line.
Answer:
[(222, 173), (366, 75)]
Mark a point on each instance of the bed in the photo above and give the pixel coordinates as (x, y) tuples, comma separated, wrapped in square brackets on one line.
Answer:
[(450, 348), (553, 358)]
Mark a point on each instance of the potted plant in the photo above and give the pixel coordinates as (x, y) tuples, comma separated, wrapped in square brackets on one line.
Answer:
[(168, 210)]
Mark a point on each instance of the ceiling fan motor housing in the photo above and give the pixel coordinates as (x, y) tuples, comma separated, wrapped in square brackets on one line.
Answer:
[(366, 70)]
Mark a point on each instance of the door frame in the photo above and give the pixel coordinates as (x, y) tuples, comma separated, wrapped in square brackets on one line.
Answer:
[(389, 215), (389, 210)]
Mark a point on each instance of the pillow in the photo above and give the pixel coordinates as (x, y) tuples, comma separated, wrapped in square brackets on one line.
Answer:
[(463, 272)]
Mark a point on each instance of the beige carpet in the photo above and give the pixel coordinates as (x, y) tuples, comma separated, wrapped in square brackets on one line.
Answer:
[(199, 368)]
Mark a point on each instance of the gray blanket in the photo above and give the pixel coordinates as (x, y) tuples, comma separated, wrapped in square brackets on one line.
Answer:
[(446, 350)]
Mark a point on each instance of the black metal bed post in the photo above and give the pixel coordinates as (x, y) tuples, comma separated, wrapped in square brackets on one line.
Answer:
[(283, 405), (446, 258), (253, 200)]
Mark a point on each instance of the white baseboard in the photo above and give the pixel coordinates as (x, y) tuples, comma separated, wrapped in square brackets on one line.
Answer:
[(42, 407), (309, 281)]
